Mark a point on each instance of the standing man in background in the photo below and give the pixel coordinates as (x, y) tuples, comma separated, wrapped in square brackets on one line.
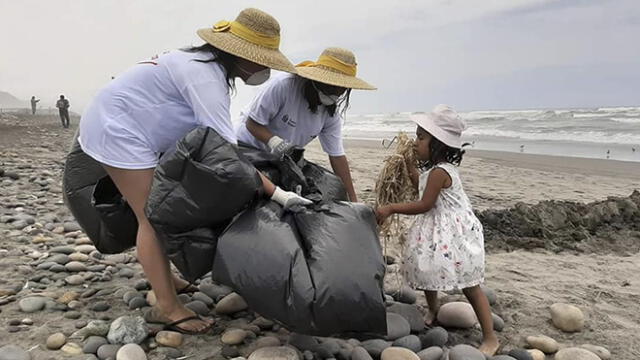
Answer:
[(63, 107), (34, 101)]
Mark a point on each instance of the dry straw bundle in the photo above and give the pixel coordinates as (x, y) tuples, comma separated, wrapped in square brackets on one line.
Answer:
[(394, 184)]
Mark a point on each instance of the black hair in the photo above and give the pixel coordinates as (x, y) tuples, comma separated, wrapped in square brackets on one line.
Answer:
[(311, 95), (226, 60), (440, 152)]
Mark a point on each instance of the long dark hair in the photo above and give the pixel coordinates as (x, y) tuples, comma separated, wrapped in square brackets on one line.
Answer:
[(440, 152), (313, 99), (226, 60)]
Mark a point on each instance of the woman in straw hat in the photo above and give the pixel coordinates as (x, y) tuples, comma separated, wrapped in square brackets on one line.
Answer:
[(292, 110), (146, 110)]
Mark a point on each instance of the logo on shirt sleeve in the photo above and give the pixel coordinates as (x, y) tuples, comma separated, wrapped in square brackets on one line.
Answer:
[(287, 120)]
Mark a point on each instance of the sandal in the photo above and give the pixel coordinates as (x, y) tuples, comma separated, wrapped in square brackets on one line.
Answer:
[(187, 289), (153, 316)]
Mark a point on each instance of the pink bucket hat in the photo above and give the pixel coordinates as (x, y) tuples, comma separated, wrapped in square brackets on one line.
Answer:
[(443, 123)]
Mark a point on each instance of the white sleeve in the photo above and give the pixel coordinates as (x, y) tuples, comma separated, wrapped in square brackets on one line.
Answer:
[(210, 103), (268, 102), (331, 137)]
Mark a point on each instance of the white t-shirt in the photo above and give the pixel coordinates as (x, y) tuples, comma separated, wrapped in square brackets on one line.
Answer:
[(281, 107), (145, 111)]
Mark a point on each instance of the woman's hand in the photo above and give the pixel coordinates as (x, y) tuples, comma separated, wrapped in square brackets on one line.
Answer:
[(289, 199), (382, 213)]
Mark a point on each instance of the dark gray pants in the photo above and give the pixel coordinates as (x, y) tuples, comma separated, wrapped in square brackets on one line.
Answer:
[(64, 117)]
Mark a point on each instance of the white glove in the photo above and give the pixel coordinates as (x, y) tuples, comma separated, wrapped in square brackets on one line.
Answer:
[(278, 146), (289, 199)]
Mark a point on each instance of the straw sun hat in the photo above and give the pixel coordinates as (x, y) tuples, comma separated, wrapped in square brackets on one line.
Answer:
[(443, 123), (335, 66), (254, 36)]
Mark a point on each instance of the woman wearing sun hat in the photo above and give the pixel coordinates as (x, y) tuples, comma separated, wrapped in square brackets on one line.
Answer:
[(292, 110), (145, 111)]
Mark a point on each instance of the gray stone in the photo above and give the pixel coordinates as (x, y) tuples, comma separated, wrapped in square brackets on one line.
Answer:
[(502, 357), (410, 342), (198, 307), (397, 327), (75, 266), (46, 265), (128, 330), (397, 353), (602, 352), (215, 291), (100, 306), (574, 353), (108, 351), (566, 317), (404, 295), (230, 304), (55, 341), (328, 348), (67, 250), (13, 352), (142, 284), (74, 280), (411, 313), (274, 353), (434, 337), (131, 352), (93, 343), (61, 259), (203, 297), (303, 342), (73, 315), (126, 273), (32, 304), (360, 353), (543, 343), (375, 347), (137, 303), (71, 226), (130, 295), (465, 352), (498, 323), (490, 294), (94, 328), (520, 354), (57, 268), (457, 315), (431, 353)]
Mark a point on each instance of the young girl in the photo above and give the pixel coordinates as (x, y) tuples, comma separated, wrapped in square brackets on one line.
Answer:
[(445, 245)]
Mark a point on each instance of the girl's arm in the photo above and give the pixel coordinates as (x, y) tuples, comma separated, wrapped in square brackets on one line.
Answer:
[(438, 179)]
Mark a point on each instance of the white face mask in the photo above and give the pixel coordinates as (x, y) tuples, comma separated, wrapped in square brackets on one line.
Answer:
[(326, 100), (256, 78)]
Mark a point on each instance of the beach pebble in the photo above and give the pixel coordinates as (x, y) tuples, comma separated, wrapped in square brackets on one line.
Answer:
[(360, 353), (411, 313), (137, 303), (263, 323), (498, 322), (202, 297), (78, 257), (602, 352), (93, 343), (131, 352), (230, 304), (32, 304), (100, 306), (543, 343), (397, 327), (303, 342), (71, 226), (536, 354), (68, 297), (233, 336), (151, 298), (26, 321), (437, 336), (67, 250), (72, 349), (130, 294), (457, 315), (267, 341), (465, 352), (274, 353), (431, 353), (61, 259), (215, 291), (198, 307), (126, 273), (74, 280), (568, 318), (375, 347), (84, 249), (141, 285), (574, 353), (169, 338), (520, 354), (328, 348), (13, 352), (397, 353), (93, 328), (410, 342), (490, 294), (128, 330), (502, 357), (108, 351), (75, 266), (55, 341), (404, 295)]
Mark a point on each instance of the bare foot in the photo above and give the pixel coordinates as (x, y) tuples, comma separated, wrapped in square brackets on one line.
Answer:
[(177, 314), (489, 346), (431, 317)]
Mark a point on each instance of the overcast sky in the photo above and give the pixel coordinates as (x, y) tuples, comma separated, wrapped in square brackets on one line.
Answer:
[(489, 54)]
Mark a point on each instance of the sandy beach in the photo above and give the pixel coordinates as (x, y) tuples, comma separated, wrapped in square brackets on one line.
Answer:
[(527, 281)]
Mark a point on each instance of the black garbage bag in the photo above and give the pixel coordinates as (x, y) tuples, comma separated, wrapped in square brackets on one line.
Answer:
[(111, 229), (203, 184), (317, 271), (327, 184)]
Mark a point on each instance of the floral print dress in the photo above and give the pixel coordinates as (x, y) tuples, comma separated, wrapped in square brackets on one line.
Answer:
[(445, 246)]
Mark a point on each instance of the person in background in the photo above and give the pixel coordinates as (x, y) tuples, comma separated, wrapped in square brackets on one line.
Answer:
[(34, 102), (63, 108), (292, 110)]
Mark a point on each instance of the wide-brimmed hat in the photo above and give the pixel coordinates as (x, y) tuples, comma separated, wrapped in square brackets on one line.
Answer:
[(335, 66), (443, 123), (254, 36)]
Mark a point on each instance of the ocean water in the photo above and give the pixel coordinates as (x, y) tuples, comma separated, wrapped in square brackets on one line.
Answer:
[(601, 133)]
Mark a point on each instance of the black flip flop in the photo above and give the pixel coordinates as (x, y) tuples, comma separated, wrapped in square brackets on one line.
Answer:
[(174, 326)]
